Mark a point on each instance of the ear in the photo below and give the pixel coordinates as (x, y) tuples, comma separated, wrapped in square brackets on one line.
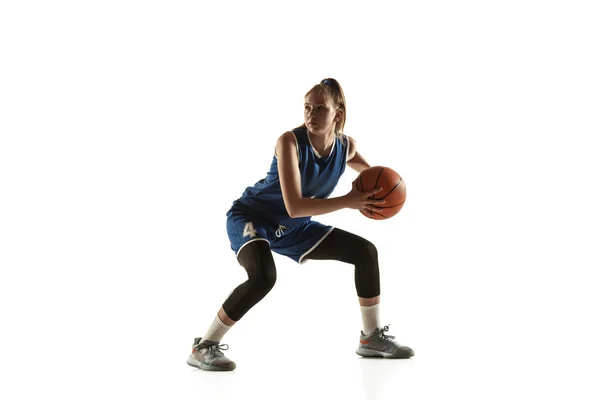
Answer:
[(338, 114)]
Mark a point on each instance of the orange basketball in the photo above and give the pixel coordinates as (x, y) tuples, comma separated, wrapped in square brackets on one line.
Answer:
[(394, 190)]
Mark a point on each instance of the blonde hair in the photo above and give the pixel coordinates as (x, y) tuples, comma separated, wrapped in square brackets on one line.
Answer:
[(332, 89)]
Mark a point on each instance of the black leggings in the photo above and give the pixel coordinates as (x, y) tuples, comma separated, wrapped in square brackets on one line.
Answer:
[(339, 245)]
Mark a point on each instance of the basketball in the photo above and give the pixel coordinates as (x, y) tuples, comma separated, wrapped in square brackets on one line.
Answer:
[(394, 191)]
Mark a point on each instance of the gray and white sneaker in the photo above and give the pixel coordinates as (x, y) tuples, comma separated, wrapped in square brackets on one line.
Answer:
[(378, 344), (209, 356)]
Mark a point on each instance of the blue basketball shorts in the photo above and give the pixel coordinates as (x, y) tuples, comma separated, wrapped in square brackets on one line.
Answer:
[(245, 227)]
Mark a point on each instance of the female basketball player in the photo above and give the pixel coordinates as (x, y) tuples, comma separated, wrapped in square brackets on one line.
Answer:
[(275, 215)]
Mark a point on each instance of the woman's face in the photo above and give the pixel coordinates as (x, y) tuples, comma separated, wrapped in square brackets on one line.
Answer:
[(320, 116)]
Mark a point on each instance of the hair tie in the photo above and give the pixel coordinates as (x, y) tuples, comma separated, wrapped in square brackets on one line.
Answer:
[(327, 82)]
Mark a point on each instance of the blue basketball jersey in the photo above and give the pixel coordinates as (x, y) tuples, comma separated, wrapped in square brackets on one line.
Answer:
[(319, 176)]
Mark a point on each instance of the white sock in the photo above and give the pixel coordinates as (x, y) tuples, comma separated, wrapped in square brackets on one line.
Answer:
[(216, 331), (370, 318)]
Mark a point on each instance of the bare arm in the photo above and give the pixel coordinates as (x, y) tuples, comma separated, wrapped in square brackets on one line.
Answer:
[(291, 187), (355, 160)]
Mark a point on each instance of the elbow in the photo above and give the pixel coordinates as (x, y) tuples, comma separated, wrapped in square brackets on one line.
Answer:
[(293, 210)]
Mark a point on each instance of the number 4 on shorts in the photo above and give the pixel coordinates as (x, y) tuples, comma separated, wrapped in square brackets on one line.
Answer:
[(249, 230)]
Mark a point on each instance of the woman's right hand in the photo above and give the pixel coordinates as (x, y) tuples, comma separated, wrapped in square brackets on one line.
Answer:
[(358, 200)]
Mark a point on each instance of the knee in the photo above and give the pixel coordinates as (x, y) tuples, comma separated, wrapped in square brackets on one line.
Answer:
[(260, 267), (264, 280), (268, 278), (367, 251)]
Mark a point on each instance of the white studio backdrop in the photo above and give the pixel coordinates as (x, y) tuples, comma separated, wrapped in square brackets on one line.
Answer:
[(128, 128)]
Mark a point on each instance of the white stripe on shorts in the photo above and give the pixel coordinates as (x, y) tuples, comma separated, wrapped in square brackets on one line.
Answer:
[(301, 261), (249, 241)]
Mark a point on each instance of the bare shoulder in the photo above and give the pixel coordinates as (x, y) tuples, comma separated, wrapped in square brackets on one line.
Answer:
[(286, 137), (286, 141), (351, 148)]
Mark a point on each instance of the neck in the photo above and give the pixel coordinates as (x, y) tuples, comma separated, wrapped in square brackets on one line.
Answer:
[(322, 143)]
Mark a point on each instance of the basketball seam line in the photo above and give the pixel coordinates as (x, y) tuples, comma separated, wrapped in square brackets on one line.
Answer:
[(381, 215), (376, 182), (395, 186), (399, 204)]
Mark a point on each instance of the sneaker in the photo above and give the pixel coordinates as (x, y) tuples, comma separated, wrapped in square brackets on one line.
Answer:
[(378, 344), (209, 357)]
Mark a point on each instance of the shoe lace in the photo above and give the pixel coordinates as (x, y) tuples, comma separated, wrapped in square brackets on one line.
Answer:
[(216, 349), (382, 331)]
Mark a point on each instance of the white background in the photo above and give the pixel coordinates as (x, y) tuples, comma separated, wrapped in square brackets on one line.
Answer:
[(129, 127)]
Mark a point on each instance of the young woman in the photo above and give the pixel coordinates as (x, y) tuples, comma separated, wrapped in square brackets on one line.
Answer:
[(275, 215)]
